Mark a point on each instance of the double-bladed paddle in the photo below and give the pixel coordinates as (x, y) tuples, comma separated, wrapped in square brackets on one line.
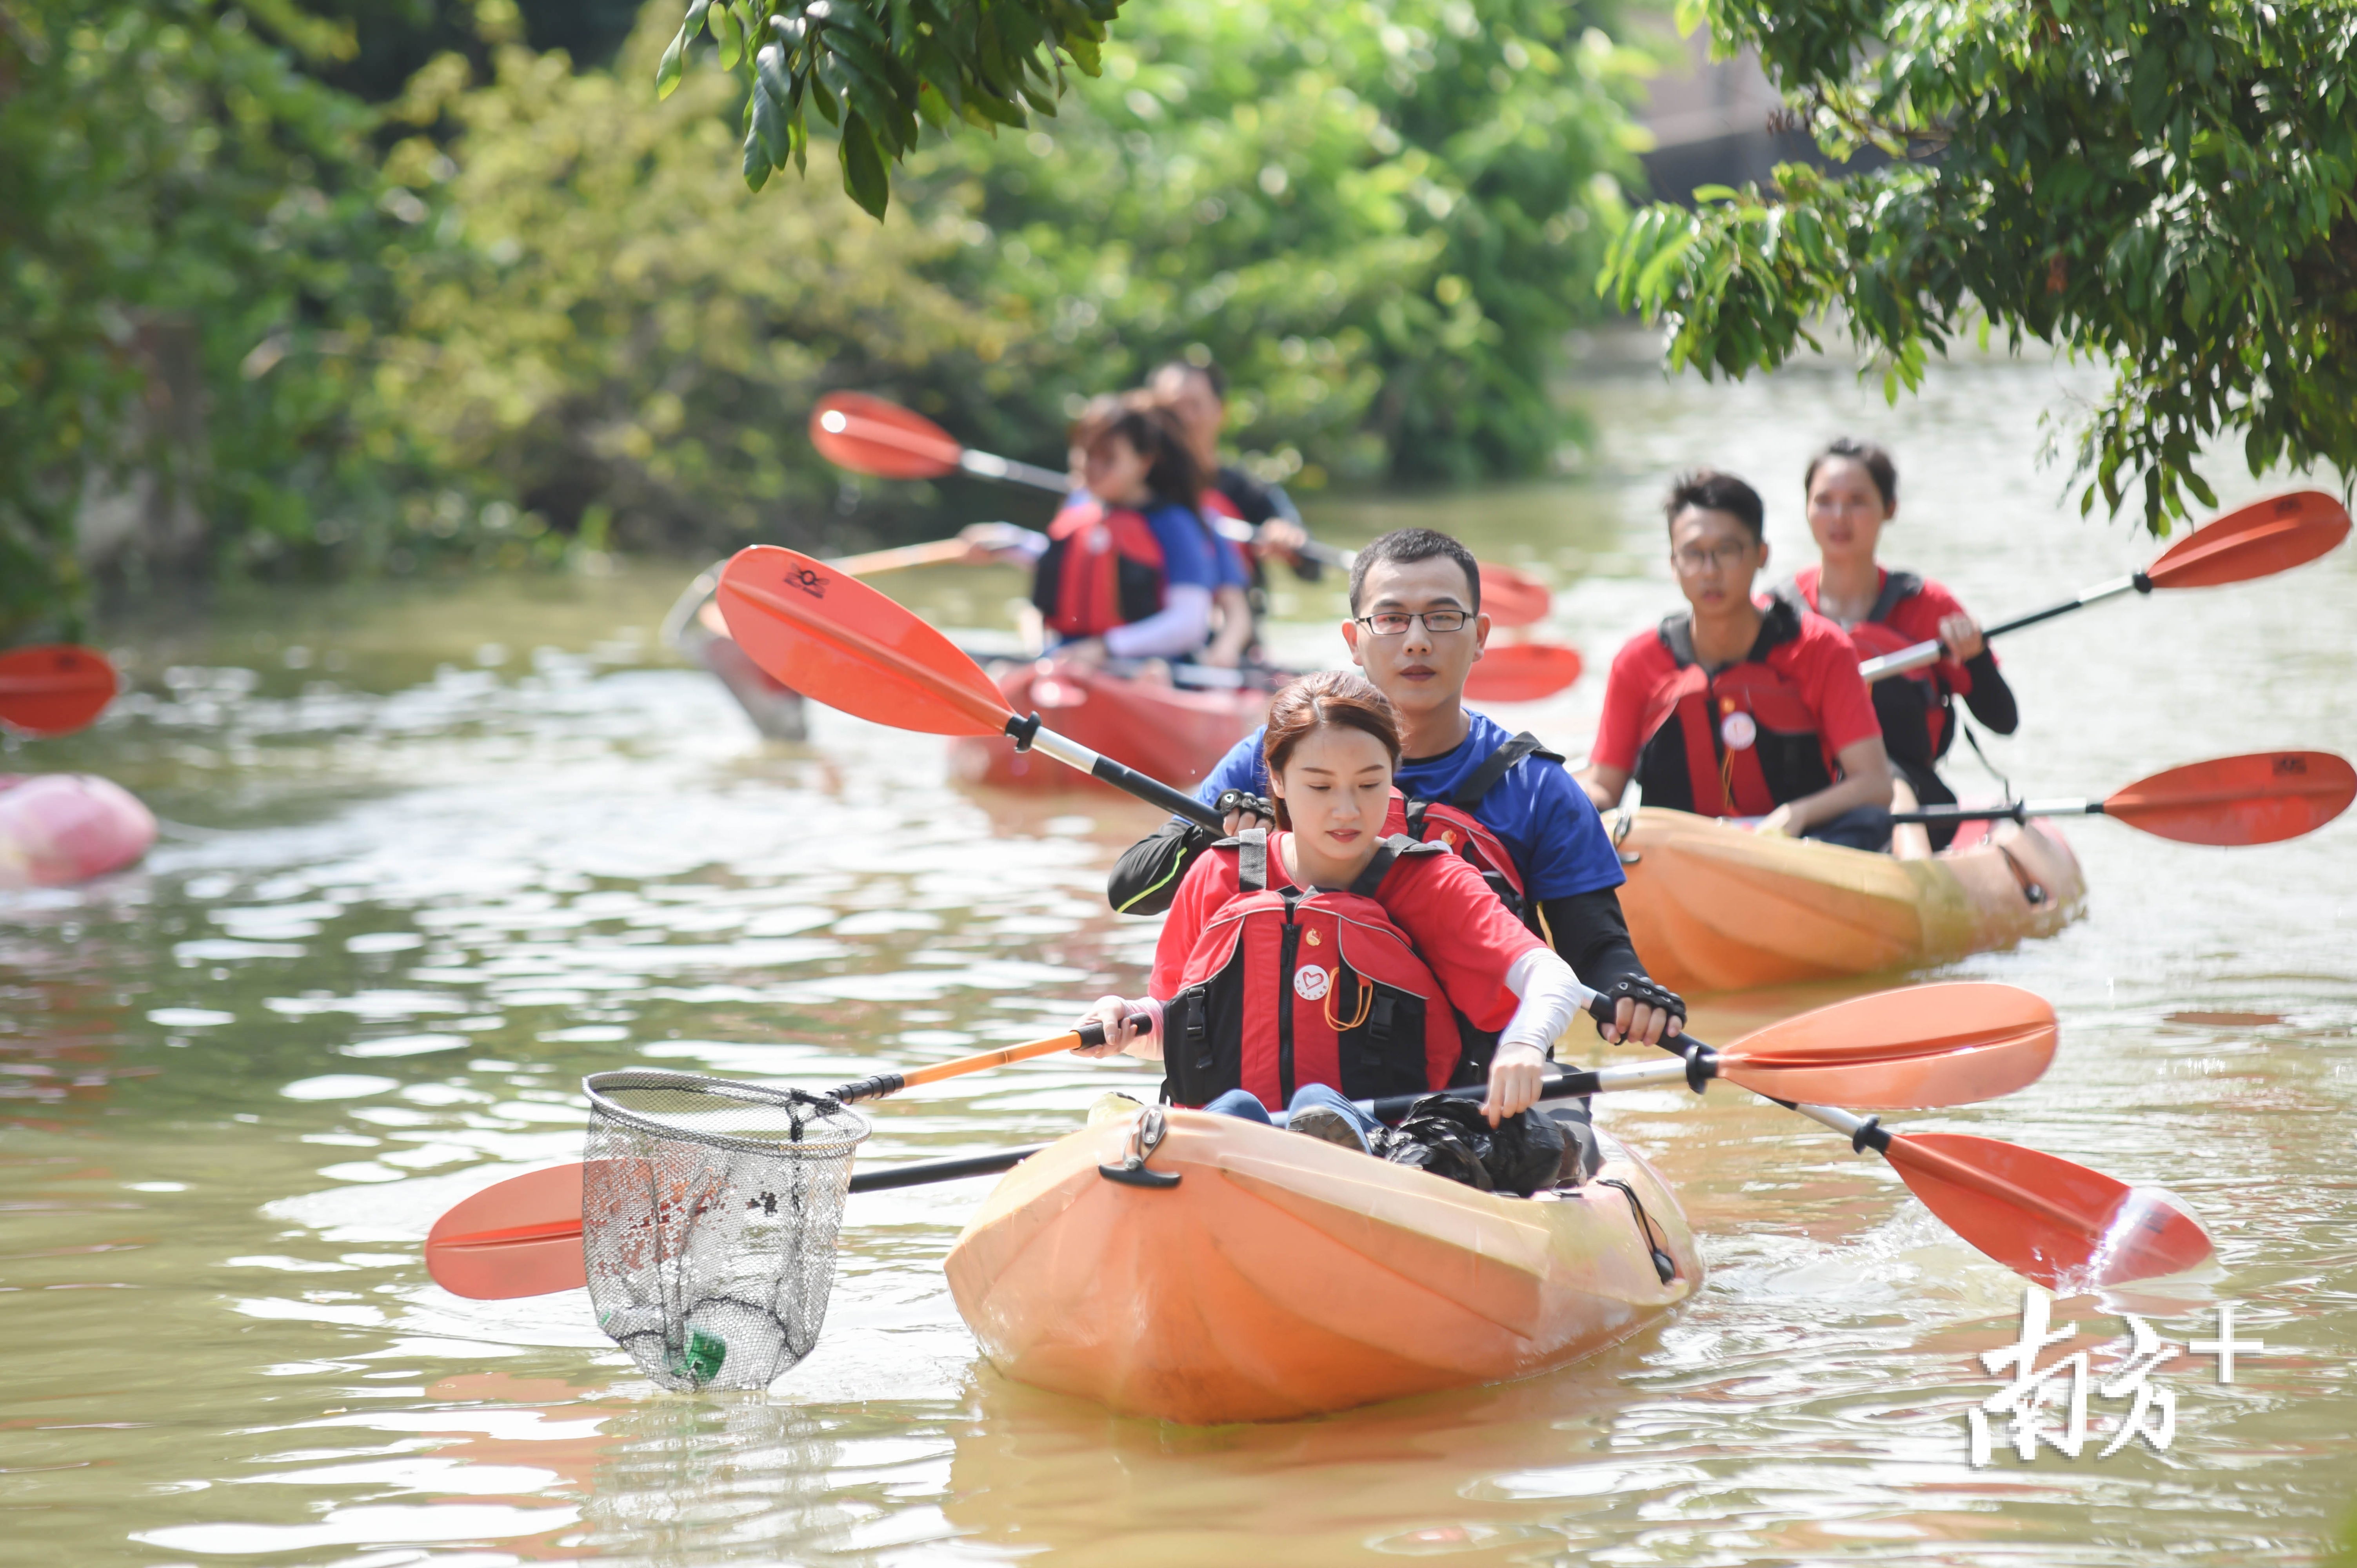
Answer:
[(2256, 541), (2043, 1217), (2263, 798), (53, 689), (869, 435), (1930, 1045)]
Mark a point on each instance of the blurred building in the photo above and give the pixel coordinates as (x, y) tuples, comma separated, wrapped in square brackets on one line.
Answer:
[(1719, 122)]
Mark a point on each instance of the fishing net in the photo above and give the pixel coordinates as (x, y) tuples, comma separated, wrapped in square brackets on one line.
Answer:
[(708, 1217)]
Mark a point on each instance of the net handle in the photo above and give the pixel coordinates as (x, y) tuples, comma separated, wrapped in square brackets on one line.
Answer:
[(600, 1086)]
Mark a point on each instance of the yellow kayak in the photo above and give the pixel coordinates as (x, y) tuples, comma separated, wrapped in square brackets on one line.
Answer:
[(1712, 907)]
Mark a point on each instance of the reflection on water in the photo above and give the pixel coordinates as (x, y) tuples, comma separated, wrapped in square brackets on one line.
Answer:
[(429, 858)]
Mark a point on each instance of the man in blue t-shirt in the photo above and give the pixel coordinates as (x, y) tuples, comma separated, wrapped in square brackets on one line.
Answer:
[(1400, 586)]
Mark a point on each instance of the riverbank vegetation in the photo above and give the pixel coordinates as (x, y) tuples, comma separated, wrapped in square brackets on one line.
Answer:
[(334, 288), (2168, 190)]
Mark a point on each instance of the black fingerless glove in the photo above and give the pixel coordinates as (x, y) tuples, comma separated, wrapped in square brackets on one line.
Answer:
[(1641, 990), (1245, 800)]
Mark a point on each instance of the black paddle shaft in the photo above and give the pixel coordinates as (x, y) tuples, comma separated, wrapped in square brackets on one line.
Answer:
[(1028, 734), (2016, 812), (1702, 1066)]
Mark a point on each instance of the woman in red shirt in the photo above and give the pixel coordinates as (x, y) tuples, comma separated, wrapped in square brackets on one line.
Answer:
[(1736, 709), (1853, 491), (1322, 963)]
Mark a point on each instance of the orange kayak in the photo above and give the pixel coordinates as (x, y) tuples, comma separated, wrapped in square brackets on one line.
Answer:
[(1162, 731), (1284, 1277), (1711, 906)]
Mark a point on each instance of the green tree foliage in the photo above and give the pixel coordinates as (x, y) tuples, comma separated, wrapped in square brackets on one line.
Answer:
[(1382, 216), (2168, 187), (191, 249), (614, 329), (874, 71)]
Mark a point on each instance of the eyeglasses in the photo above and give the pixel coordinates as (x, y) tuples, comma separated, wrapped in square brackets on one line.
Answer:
[(1393, 623), (1691, 561)]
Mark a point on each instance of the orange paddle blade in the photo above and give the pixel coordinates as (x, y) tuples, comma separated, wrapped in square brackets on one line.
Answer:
[(2044, 1217), (868, 435), (2256, 541), (2263, 798), (1921, 1046), (834, 639), (521, 1236), (54, 688), (1513, 597), (1521, 671)]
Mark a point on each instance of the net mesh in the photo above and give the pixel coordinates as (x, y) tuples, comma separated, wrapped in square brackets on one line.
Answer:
[(708, 1215)]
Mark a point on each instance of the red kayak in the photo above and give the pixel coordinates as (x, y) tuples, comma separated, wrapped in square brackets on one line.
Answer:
[(1162, 731)]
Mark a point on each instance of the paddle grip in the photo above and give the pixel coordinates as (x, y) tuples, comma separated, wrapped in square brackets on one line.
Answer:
[(1028, 734)]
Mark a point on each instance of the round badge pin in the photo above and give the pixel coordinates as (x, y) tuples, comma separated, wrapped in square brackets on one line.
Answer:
[(1738, 731), (1309, 983)]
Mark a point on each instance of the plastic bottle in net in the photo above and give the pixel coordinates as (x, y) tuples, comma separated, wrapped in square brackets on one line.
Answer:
[(709, 1217)]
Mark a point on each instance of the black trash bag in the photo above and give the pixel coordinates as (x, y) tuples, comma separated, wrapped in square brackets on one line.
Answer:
[(1450, 1137)]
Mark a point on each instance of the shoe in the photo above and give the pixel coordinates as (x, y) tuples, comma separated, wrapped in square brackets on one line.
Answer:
[(1328, 1125), (1113, 1107)]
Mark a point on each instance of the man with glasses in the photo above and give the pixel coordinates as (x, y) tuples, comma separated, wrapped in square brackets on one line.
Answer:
[(1736, 710), (1415, 632)]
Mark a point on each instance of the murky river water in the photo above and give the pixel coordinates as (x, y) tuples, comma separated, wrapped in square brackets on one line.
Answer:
[(432, 857)]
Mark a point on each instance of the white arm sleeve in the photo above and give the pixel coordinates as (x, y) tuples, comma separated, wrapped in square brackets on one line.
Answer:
[(1149, 1045), (1551, 997), (1178, 627)]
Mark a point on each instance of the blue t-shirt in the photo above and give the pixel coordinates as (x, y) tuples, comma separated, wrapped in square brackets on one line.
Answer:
[(1546, 821), (1189, 554)]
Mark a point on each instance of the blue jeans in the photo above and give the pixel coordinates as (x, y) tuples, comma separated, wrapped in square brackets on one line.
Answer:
[(1245, 1103)]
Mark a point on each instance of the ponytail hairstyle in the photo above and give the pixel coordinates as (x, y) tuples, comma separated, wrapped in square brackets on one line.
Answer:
[(1867, 455), (1324, 698)]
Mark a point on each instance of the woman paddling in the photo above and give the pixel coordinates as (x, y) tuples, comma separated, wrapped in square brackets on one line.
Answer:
[(1130, 567), (1853, 491), (1323, 963), (1734, 709)]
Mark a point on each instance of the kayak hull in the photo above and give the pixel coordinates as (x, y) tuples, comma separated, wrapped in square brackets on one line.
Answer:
[(1164, 733), (57, 829), (1285, 1277), (1713, 908)]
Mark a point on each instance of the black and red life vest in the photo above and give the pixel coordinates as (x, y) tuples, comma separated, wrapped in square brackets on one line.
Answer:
[(1102, 568), (1452, 824), (1736, 741), (1917, 710), (1285, 987)]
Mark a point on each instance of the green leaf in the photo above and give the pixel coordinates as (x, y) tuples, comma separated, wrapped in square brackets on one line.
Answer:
[(725, 33), (864, 177), (667, 70)]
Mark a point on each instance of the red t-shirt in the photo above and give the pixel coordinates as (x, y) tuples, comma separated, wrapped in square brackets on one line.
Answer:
[(1917, 619), (1821, 663), (1465, 936)]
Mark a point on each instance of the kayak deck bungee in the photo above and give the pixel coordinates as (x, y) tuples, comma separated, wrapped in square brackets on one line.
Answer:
[(1163, 731), (1714, 908), (1280, 1276)]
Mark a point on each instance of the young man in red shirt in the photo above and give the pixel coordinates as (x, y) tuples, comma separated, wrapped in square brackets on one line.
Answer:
[(1733, 709)]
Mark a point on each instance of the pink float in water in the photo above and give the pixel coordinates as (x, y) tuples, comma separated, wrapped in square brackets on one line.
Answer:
[(61, 828)]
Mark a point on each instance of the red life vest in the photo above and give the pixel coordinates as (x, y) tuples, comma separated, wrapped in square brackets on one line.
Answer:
[(1916, 709), (1284, 987), (1103, 569), (1452, 824), (1737, 743)]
